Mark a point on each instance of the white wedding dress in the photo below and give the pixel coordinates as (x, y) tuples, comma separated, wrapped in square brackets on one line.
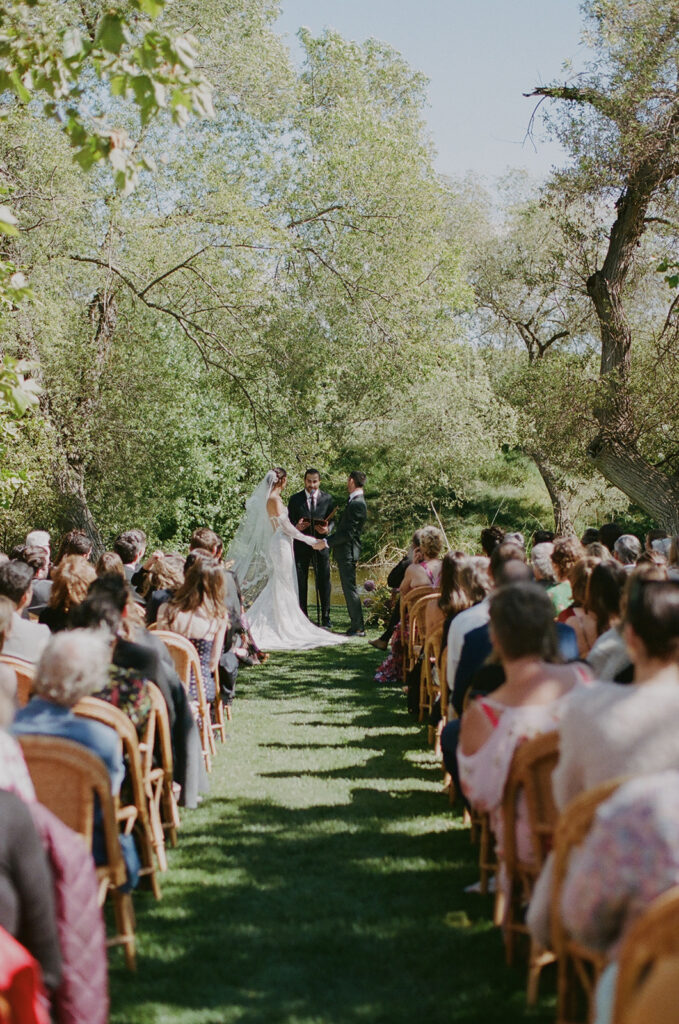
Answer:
[(277, 622)]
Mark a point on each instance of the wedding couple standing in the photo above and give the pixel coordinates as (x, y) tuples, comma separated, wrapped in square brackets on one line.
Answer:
[(264, 560)]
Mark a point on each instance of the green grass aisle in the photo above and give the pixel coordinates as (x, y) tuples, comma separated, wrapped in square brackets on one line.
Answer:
[(321, 881)]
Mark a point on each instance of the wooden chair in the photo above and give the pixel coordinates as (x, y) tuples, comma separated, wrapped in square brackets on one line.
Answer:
[(530, 775), (186, 661), (430, 687), (653, 936), (578, 968), (135, 816), (158, 742), (67, 777), (417, 639), (406, 604), (25, 673), (481, 832)]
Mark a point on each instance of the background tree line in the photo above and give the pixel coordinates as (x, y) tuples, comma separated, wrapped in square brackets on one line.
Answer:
[(282, 278)]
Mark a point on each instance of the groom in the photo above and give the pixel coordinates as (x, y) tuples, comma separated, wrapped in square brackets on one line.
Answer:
[(345, 544), (309, 510)]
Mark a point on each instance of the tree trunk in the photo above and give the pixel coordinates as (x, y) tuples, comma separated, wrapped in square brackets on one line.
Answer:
[(646, 486), (70, 482), (563, 524)]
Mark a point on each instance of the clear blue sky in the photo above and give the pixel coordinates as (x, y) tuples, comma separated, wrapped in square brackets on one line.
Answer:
[(479, 55)]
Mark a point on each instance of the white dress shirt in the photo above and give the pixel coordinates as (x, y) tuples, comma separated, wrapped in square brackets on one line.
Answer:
[(463, 623)]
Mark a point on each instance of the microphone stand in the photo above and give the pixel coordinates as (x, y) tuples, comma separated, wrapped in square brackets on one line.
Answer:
[(312, 526)]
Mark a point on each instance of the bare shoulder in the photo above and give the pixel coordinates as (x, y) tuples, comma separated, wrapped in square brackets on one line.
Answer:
[(475, 729), (274, 505)]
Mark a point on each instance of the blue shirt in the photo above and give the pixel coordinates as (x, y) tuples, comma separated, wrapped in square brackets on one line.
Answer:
[(44, 718)]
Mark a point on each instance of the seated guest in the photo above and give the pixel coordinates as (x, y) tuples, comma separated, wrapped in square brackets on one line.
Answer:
[(607, 655), (26, 891), (491, 536), (477, 643), (590, 536), (542, 565), (74, 664), (139, 655), (626, 550), (38, 560), (425, 570), (126, 687), (394, 581), (608, 534), (542, 537), (130, 546), (198, 612), (599, 551), (629, 857), (71, 578), (567, 551), (618, 730), (453, 598), (75, 542), (163, 576), (26, 639), (13, 771), (204, 539), (582, 621), (39, 539), (655, 535), (531, 701), (110, 564), (479, 613)]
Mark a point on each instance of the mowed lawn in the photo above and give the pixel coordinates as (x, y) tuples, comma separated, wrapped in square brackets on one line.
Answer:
[(322, 880)]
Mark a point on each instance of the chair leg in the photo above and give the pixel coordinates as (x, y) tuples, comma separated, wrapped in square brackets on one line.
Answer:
[(124, 918)]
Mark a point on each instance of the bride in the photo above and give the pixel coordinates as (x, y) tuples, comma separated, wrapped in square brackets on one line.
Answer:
[(263, 561)]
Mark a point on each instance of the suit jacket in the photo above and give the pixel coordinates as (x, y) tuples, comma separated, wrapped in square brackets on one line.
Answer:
[(134, 578), (41, 595), (477, 647), (347, 535), (298, 509)]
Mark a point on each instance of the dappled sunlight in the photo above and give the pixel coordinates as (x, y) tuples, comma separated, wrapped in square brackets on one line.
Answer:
[(323, 878)]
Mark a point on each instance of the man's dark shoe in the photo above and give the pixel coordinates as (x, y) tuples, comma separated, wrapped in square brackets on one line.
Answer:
[(355, 632)]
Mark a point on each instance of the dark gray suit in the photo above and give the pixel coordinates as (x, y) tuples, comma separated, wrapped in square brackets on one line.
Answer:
[(345, 543)]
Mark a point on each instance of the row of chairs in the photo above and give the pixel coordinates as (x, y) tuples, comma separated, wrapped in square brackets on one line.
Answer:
[(654, 935), (68, 779)]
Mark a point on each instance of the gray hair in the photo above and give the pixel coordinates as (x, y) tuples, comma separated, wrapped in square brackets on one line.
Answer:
[(38, 539), (515, 538), (8, 689), (541, 560), (627, 549), (74, 664)]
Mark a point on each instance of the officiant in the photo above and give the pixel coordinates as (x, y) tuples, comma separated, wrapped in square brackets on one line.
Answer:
[(310, 511)]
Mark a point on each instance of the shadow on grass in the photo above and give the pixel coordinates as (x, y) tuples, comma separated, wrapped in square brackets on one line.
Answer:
[(345, 904)]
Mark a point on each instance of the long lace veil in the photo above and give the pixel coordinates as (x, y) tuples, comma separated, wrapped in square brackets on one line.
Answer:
[(249, 549)]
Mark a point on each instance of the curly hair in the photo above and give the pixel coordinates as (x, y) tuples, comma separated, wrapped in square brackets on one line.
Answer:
[(567, 551), (431, 542)]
